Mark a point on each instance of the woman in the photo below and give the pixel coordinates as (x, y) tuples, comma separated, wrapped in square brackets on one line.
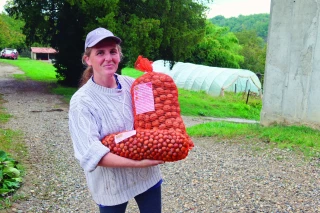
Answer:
[(102, 106)]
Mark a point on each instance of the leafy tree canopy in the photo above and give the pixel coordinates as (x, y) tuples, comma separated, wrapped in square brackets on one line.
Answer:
[(11, 32), (257, 22), (39, 17), (254, 51), (166, 29), (219, 48), (251, 32)]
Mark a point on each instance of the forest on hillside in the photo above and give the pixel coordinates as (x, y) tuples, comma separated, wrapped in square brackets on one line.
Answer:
[(256, 22), (252, 33)]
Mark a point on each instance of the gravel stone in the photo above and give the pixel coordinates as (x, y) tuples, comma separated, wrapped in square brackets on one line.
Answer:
[(217, 176)]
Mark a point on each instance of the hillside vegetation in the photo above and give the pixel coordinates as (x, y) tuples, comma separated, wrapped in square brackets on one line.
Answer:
[(256, 22)]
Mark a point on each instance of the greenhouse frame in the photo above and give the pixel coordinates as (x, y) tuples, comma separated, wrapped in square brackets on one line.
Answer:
[(213, 80)]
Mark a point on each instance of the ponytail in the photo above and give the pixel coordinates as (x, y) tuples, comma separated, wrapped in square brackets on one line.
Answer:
[(88, 72), (86, 75)]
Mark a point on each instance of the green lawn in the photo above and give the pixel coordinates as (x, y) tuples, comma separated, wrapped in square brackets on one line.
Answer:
[(33, 69), (298, 138)]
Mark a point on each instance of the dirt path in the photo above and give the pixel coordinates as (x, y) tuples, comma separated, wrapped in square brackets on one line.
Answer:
[(217, 176)]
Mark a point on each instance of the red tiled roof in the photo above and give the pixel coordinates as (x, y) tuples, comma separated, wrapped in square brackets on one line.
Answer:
[(43, 50)]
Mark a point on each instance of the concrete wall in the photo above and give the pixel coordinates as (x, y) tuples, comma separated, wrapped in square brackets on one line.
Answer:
[(292, 75)]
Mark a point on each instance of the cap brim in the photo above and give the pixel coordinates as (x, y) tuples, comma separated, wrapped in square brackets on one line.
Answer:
[(116, 39)]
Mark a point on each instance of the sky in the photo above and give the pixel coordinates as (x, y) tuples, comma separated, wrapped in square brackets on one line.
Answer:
[(234, 8), (227, 8), (2, 3)]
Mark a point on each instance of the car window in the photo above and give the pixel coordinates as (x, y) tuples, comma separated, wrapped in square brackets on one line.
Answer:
[(9, 51)]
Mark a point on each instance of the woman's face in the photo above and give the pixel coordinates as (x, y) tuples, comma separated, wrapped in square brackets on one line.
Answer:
[(104, 59)]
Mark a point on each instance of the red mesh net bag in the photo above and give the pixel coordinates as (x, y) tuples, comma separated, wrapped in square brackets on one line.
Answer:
[(163, 145), (160, 133), (160, 109)]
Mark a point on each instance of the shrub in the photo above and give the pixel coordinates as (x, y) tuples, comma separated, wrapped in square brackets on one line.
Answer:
[(10, 175)]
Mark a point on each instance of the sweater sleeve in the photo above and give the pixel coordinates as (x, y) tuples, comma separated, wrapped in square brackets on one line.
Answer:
[(84, 130)]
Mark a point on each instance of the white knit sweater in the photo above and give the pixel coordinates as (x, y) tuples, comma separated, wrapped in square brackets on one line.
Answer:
[(95, 112)]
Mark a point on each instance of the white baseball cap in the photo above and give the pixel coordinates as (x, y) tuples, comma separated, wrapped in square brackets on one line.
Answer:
[(97, 35)]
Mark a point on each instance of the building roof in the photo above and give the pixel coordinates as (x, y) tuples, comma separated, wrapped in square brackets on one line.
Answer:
[(43, 50)]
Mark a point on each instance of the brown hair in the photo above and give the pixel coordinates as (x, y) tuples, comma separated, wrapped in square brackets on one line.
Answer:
[(88, 72)]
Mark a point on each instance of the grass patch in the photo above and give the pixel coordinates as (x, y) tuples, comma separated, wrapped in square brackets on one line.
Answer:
[(11, 141), (231, 105), (13, 144), (4, 117), (33, 69), (298, 138), (66, 92), (223, 130), (131, 72)]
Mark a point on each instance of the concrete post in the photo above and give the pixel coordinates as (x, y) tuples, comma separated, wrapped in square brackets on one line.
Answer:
[(292, 76)]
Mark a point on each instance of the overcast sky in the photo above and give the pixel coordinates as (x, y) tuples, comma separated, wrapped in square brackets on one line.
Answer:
[(2, 3), (234, 8), (227, 8)]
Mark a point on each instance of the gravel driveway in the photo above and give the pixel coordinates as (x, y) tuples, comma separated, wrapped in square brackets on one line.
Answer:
[(217, 176)]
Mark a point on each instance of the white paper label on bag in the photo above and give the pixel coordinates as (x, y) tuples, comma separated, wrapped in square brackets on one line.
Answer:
[(143, 98), (124, 135)]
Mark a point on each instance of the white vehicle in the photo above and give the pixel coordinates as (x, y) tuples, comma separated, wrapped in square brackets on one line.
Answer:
[(9, 53)]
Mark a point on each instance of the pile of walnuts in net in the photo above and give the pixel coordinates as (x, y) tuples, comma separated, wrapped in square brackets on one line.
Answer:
[(160, 134)]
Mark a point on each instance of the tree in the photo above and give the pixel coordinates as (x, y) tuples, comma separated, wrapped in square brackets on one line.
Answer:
[(166, 30), (69, 43), (162, 29), (254, 51), (219, 48), (11, 32), (257, 22), (39, 17)]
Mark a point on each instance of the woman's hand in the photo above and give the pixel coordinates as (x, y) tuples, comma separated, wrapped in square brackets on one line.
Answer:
[(147, 162)]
